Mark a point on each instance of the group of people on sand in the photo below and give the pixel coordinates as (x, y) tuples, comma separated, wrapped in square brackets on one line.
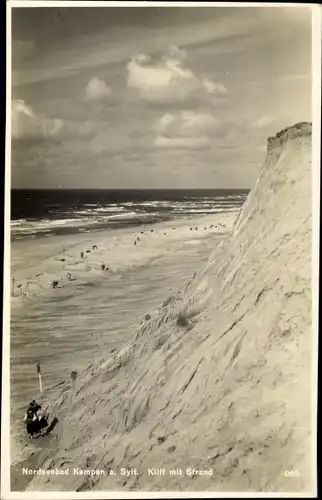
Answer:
[(88, 251), (55, 283), (137, 240), (36, 420)]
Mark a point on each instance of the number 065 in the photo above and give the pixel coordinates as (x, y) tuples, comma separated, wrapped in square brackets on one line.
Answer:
[(291, 473)]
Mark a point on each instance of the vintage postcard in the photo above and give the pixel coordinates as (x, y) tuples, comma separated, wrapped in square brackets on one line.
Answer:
[(161, 250)]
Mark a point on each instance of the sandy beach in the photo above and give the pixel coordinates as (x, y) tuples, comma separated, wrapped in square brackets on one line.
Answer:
[(96, 311), (192, 351)]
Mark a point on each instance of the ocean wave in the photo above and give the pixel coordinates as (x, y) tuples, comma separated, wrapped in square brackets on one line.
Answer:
[(92, 216), (99, 210), (155, 203), (123, 216), (34, 227), (84, 212), (17, 222), (186, 205), (115, 208), (206, 209)]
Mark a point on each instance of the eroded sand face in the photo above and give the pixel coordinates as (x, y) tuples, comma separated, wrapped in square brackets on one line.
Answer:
[(218, 379)]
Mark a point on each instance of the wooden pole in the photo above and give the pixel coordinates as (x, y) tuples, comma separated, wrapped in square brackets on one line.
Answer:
[(39, 376), (13, 287)]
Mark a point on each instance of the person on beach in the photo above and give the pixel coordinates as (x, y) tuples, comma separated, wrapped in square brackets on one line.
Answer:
[(31, 418), (42, 418), (35, 419), (32, 407)]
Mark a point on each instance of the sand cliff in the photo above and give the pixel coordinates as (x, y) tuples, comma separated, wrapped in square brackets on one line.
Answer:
[(220, 377)]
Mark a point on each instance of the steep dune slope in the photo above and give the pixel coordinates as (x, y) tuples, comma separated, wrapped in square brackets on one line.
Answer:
[(219, 379)]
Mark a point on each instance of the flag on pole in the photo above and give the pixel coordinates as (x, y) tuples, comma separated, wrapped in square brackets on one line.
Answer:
[(39, 376)]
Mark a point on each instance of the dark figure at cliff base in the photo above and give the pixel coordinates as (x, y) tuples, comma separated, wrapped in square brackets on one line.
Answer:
[(35, 419)]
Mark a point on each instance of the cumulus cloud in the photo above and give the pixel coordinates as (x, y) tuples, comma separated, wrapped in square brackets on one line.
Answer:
[(167, 80), (25, 123), (263, 122), (96, 90), (214, 88), (188, 129), (186, 124)]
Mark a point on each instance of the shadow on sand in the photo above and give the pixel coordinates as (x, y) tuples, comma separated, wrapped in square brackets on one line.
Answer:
[(51, 426)]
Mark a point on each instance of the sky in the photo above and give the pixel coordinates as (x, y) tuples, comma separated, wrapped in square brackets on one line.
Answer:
[(154, 97)]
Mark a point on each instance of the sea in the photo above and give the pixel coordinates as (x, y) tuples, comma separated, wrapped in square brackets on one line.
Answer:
[(40, 213)]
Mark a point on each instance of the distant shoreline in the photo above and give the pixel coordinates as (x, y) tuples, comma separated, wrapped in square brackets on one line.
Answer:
[(42, 213)]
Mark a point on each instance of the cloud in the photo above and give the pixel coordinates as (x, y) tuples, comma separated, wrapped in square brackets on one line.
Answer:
[(168, 81), (263, 122), (188, 129), (96, 90), (198, 130), (26, 124), (186, 124), (217, 89), (194, 143)]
